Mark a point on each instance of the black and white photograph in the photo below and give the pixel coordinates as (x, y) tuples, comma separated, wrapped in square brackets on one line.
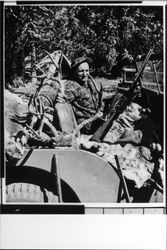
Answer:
[(84, 105), (83, 163)]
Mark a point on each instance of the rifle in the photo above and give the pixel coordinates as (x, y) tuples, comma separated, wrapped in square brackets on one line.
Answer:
[(120, 103)]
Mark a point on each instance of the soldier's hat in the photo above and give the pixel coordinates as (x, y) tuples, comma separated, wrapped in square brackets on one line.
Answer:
[(80, 60)]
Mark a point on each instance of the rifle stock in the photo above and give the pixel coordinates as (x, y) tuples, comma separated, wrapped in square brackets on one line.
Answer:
[(116, 110), (103, 129), (120, 105)]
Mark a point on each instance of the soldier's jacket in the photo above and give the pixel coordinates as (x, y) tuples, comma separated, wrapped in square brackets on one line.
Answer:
[(84, 100)]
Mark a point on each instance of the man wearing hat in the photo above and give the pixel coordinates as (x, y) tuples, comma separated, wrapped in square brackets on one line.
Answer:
[(83, 94)]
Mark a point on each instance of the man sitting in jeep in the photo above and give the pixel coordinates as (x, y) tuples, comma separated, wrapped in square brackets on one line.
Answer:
[(84, 94)]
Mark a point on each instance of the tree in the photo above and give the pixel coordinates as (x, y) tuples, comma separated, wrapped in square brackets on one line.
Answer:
[(100, 32)]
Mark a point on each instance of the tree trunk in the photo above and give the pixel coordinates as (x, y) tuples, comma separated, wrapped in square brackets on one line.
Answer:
[(23, 65), (33, 61)]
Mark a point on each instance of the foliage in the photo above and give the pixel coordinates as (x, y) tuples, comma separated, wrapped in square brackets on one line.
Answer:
[(100, 32)]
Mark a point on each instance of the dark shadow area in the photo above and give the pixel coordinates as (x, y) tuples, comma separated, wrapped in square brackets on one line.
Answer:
[(145, 194), (42, 209), (40, 177)]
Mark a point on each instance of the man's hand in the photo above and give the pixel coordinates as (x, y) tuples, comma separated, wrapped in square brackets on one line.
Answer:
[(100, 114)]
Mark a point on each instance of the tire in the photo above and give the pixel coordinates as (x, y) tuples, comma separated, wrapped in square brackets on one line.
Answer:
[(29, 184), (26, 192)]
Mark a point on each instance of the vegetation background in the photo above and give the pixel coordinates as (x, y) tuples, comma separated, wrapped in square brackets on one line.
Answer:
[(102, 33)]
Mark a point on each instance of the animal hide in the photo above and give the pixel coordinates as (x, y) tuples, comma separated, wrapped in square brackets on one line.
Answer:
[(123, 127), (136, 162), (14, 148)]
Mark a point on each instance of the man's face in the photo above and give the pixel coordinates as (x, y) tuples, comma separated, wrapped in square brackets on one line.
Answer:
[(82, 72)]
